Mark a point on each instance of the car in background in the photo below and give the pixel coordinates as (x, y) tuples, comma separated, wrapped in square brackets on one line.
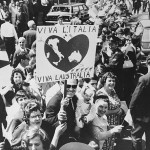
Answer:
[(143, 28), (66, 11)]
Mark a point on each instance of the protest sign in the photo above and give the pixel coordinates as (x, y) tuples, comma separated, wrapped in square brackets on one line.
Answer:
[(65, 52)]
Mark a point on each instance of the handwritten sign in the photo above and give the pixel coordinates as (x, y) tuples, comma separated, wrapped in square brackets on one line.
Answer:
[(65, 52)]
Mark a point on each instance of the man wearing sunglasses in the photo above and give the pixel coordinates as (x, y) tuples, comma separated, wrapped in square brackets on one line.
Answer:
[(60, 109)]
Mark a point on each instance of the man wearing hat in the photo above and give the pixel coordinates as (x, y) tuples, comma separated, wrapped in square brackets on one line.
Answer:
[(140, 110), (30, 35)]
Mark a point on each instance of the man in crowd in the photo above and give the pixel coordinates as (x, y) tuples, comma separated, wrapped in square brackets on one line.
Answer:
[(9, 35), (140, 110), (61, 109), (23, 61), (30, 35), (20, 48)]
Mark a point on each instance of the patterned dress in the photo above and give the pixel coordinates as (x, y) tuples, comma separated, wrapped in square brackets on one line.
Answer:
[(113, 119)]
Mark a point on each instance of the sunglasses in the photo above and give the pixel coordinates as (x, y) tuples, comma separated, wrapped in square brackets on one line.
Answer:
[(72, 86)]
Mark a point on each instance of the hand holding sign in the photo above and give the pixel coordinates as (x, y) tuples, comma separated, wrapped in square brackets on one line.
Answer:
[(62, 115)]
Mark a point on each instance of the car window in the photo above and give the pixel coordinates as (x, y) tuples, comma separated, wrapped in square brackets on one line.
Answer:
[(66, 18), (75, 9), (54, 9), (61, 9)]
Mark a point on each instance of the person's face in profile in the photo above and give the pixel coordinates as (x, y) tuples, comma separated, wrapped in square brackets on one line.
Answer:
[(93, 83)]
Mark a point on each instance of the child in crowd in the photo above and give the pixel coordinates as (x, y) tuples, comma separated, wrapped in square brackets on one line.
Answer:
[(84, 104)]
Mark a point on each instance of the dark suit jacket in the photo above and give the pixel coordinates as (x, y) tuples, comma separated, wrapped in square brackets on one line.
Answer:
[(116, 60), (52, 110), (140, 102), (30, 36)]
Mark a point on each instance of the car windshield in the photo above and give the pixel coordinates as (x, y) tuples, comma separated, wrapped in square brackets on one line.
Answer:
[(61, 9), (146, 35)]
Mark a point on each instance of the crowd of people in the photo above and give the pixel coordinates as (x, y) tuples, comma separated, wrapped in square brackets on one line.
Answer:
[(91, 110)]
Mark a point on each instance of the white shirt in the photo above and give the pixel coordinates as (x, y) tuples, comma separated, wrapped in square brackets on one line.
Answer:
[(8, 30)]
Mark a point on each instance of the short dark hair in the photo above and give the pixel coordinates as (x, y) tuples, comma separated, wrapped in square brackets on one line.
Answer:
[(17, 70), (107, 75), (94, 78), (20, 93)]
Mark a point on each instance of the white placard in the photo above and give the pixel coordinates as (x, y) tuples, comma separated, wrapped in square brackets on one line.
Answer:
[(65, 52)]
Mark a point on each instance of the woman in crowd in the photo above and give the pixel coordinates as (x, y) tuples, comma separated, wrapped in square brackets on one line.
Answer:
[(17, 80), (114, 109), (19, 48), (33, 117), (99, 127), (36, 138)]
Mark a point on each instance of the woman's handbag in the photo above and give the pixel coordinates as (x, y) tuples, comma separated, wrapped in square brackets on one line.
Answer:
[(127, 62)]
